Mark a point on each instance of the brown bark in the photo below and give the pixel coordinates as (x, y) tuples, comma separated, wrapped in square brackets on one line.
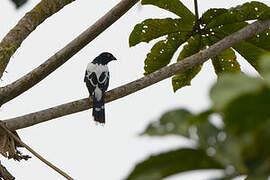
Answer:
[(29, 80), (163, 73), (12, 41)]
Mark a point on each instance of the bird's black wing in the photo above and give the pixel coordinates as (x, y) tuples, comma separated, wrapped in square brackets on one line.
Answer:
[(91, 81), (103, 81)]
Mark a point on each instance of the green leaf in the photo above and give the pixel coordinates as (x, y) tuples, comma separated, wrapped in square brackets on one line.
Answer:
[(162, 52), (264, 67), (174, 6), (250, 52), (248, 11), (231, 86), (211, 14), (248, 111), (225, 62), (252, 48), (261, 40), (176, 122), (183, 79), (151, 29), (173, 162), (19, 3), (265, 15)]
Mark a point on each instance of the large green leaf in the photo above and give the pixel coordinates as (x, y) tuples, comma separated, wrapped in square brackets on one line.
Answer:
[(211, 14), (250, 52), (240, 114), (183, 79), (162, 52), (151, 29), (265, 15), (248, 11), (252, 48), (175, 122), (256, 151), (225, 62), (264, 67), (173, 162), (174, 6), (261, 40), (231, 86), (236, 95)]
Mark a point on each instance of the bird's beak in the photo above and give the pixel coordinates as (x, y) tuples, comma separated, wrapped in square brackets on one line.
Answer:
[(113, 58)]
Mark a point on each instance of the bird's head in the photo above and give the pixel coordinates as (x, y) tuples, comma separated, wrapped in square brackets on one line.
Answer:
[(104, 58)]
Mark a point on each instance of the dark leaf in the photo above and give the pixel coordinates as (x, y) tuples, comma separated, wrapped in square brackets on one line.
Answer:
[(252, 48), (151, 29), (225, 62), (162, 52), (236, 95), (218, 144), (173, 162), (250, 52), (264, 67), (9, 147), (173, 122), (247, 11), (183, 79), (242, 116), (174, 6), (19, 3), (265, 15), (211, 14), (231, 86)]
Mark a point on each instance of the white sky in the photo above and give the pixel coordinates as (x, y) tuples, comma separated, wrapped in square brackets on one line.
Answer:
[(74, 143)]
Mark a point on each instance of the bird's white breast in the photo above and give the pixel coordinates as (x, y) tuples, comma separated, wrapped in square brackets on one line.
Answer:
[(97, 68)]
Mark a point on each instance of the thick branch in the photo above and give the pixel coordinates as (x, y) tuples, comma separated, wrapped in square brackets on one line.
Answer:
[(29, 80), (25, 26), (163, 73)]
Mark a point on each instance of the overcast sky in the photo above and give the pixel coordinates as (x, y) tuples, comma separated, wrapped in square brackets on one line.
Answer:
[(74, 143)]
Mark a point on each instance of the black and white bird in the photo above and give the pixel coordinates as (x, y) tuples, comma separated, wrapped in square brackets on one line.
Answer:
[(97, 78)]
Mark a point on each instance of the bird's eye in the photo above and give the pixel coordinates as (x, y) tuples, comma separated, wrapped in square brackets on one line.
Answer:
[(108, 55)]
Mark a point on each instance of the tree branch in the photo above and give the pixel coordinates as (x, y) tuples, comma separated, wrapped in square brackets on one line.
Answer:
[(13, 40), (29, 80), (163, 73)]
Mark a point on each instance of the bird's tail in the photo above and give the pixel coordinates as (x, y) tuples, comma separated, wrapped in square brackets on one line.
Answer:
[(99, 110)]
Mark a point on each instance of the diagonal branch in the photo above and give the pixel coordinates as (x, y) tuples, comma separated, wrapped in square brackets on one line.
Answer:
[(29, 80), (13, 40), (159, 75)]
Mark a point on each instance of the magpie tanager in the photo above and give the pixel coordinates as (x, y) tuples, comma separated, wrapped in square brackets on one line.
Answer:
[(97, 81)]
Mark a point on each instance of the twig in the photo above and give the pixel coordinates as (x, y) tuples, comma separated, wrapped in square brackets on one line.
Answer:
[(35, 76), (159, 75), (2, 124)]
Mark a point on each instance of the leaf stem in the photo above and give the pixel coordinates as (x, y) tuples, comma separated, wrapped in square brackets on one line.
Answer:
[(196, 11)]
